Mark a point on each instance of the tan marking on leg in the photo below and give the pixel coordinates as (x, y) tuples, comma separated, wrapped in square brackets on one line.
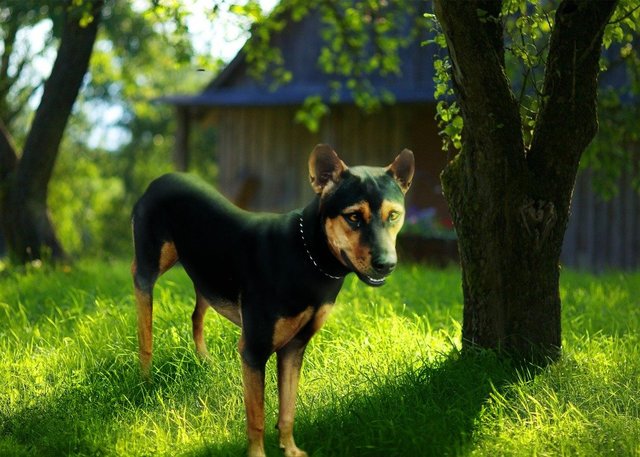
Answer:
[(168, 257), (287, 327), (144, 303), (253, 383), (321, 317), (289, 365), (197, 319)]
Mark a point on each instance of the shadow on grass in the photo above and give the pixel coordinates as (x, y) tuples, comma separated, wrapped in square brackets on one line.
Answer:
[(430, 412)]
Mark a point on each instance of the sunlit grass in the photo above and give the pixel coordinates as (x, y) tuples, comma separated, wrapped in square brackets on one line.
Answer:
[(384, 377)]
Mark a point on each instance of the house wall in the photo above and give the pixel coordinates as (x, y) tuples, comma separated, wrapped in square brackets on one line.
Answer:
[(603, 234), (262, 153)]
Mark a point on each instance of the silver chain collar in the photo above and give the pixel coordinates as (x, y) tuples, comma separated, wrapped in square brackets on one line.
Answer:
[(306, 248)]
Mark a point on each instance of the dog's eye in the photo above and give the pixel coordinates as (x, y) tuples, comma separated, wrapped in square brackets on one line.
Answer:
[(394, 216), (353, 218)]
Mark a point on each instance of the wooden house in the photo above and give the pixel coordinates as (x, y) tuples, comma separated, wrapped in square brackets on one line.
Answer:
[(262, 152)]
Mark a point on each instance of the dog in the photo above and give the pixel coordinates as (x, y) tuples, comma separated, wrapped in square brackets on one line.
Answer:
[(275, 276)]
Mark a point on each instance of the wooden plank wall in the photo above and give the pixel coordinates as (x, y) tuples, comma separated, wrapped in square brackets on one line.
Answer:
[(603, 235), (265, 144)]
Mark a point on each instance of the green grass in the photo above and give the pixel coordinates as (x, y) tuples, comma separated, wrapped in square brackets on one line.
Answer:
[(384, 377)]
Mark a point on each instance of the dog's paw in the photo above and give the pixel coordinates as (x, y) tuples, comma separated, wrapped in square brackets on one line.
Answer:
[(295, 452), (255, 452), (204, 357)]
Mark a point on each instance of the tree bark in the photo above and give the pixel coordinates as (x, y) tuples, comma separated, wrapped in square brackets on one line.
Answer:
[(510, 205), (8, 155), (8, 161), (24, 215)]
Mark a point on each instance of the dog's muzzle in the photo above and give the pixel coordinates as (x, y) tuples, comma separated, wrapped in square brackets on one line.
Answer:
[(375, 281)]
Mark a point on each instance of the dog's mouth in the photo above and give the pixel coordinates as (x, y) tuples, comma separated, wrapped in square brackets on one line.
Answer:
[(369, 280)]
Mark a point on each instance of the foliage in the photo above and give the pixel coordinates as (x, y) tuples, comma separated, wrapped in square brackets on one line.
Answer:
[(19, 81), (361, 39), (528, 25), (86, 201), (447, 111), (266, 62), (313, 110), (384, 377), (143, 52)]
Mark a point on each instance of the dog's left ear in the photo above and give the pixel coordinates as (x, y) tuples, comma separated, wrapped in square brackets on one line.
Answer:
[(324, 167), (402, 169)]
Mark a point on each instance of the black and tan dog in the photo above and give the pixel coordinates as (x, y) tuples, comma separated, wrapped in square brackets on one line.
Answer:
[(275, 276)]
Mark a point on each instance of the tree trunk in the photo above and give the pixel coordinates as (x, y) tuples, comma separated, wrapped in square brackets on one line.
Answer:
[(28, 230), (26, 224), (8, 162), (510, 204)]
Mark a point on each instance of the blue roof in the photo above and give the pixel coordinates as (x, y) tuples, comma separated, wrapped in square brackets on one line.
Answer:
[(286, 95)]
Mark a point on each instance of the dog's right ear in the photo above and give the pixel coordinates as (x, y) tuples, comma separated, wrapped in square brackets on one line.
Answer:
[(402, 169), (324, 167)]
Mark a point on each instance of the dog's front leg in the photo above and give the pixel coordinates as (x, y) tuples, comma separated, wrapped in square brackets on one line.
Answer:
[(289, 365), (253, 383)]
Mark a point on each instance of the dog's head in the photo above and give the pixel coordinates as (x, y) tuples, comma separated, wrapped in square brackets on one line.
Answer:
[(362, 210)]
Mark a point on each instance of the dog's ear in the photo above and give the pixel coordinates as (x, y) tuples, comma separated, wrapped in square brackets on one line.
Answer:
[(402, 169), (324, 167)]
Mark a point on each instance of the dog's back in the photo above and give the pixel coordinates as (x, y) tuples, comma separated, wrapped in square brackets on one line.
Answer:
[(181, 213)]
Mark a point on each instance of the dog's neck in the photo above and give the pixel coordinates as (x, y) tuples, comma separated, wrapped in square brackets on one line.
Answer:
[(315, 243)]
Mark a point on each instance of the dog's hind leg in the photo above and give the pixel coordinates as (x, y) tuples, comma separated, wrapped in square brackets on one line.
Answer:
[(144, 307), (145, 335), (147, 266)]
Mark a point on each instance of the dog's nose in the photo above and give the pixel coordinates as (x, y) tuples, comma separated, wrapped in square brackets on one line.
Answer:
[(383, 264)]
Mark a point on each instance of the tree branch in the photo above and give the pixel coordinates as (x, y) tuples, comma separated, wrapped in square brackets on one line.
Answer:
[(567, 120)]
